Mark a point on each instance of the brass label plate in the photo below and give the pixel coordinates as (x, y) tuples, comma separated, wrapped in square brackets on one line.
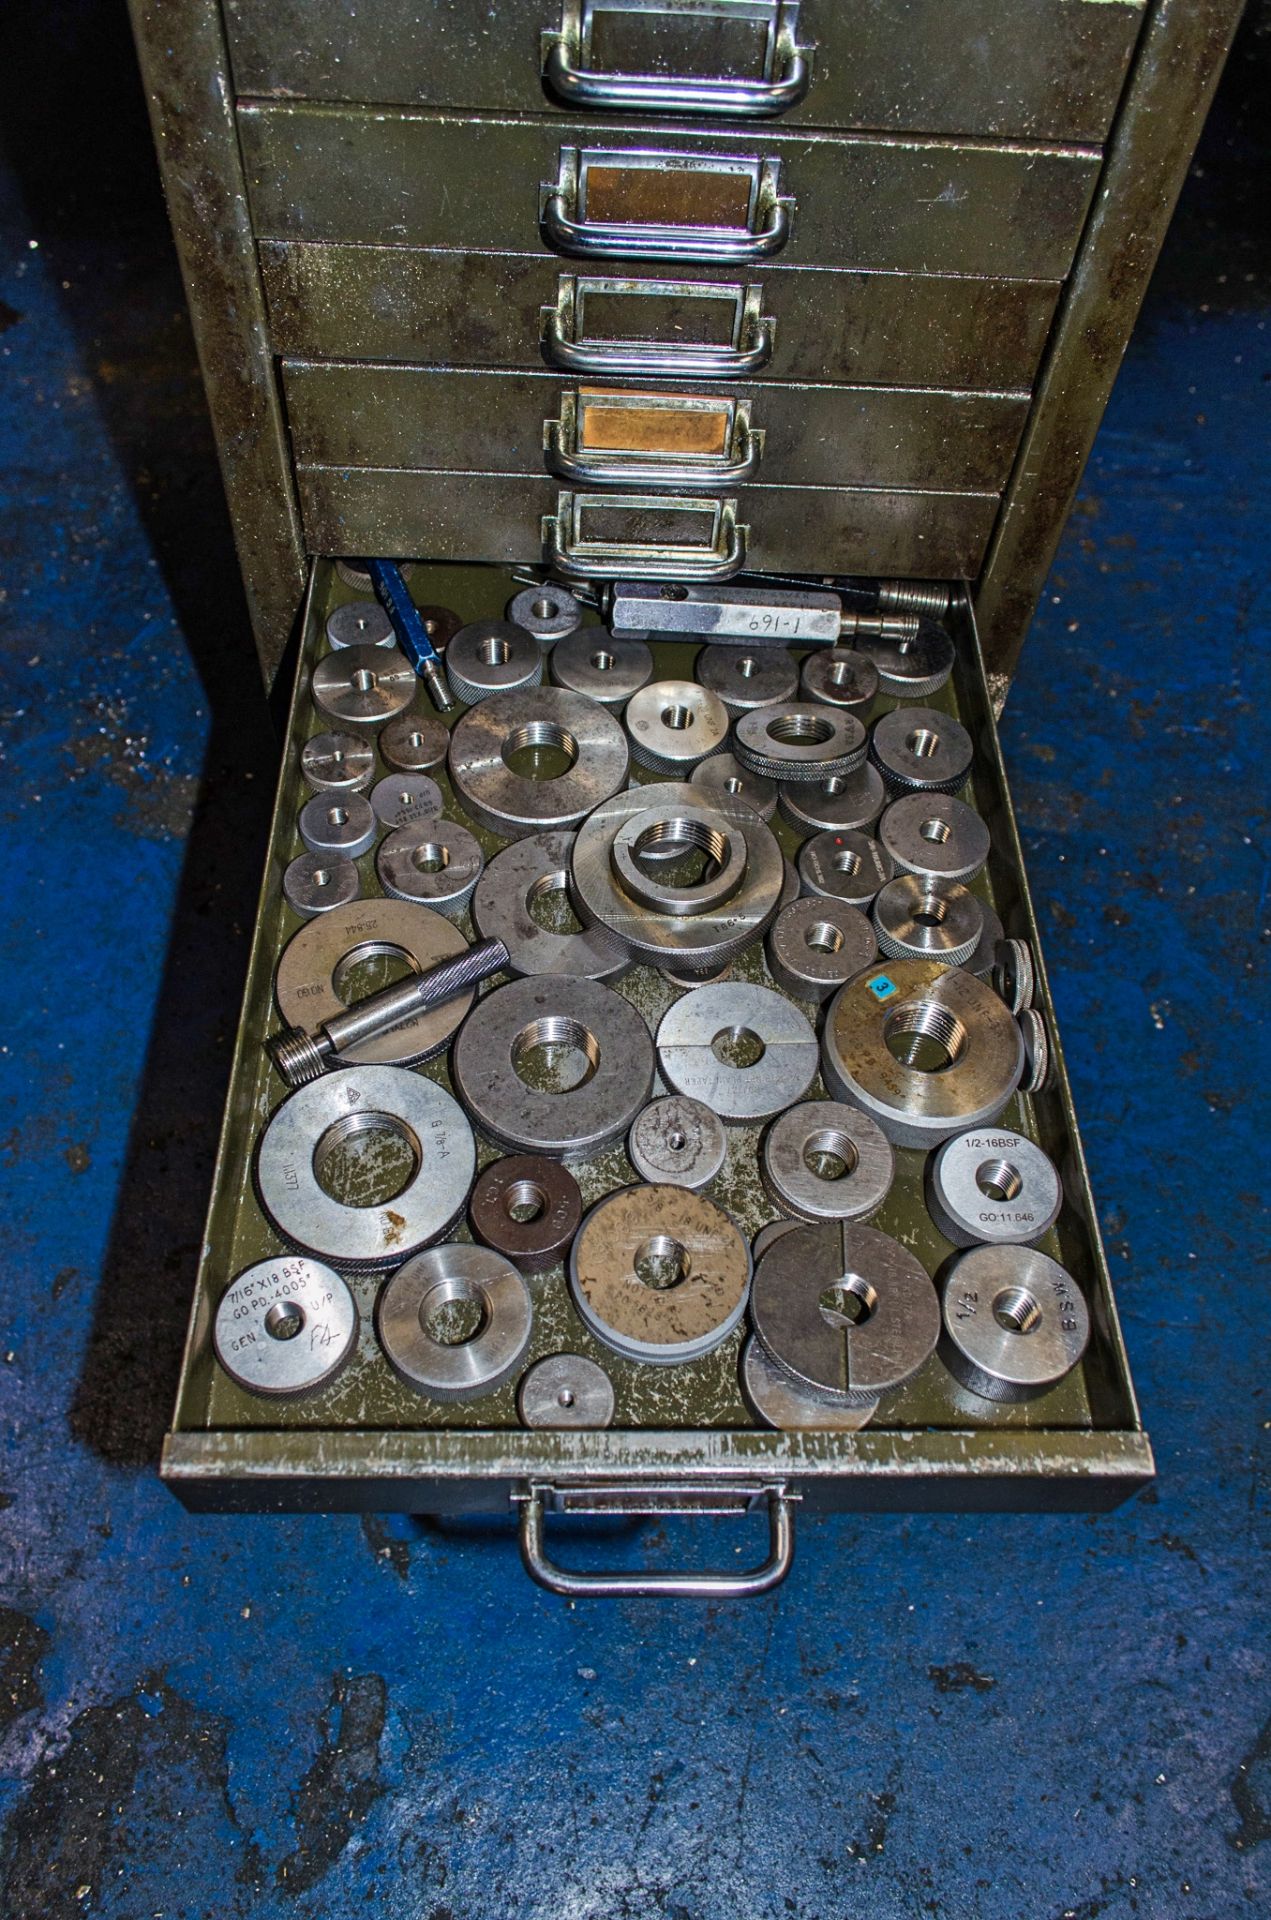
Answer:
[(653, 423), (674, 197)]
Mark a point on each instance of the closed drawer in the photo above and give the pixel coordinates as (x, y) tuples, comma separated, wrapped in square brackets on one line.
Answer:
[(338, 302), (1046, 69), (385, 416), (434, 180), (497, 517)]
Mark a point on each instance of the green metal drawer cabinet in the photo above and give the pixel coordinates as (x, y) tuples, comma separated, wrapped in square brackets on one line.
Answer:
[(818, 288), (1136, 79)]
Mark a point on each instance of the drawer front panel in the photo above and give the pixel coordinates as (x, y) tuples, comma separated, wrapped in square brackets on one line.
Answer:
[(482, 310), (384, 416), (1045, 69), (497, 517), (334, 174)]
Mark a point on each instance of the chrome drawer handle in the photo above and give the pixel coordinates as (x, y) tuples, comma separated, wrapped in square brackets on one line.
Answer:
[(575, 557), (747, 352), (575, 85), (657, 360), (667, 1586), (769, 219), (702, 473), (614, 240)]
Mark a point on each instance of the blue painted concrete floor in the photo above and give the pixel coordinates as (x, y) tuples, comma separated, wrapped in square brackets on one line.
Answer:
[(972, 1718)]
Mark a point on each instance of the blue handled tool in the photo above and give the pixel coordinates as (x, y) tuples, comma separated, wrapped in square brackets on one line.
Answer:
[(412, 636)]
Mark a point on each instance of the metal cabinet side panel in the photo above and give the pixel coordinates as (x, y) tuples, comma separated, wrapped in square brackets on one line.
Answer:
[(1182, 52), (181, 47)]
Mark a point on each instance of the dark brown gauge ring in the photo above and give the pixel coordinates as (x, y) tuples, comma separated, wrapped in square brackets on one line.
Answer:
[(527, 1208)]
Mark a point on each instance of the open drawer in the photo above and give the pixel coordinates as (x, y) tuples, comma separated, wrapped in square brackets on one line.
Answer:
[(682, 1435)]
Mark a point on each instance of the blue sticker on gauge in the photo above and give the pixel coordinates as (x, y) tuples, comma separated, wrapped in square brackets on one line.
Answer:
[(881, 987)]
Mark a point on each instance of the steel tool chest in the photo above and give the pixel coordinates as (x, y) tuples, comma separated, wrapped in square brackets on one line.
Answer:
[(680, 289)]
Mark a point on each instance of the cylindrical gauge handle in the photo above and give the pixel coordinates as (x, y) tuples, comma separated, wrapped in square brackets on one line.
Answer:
[(388, 1008), (411, 633)]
